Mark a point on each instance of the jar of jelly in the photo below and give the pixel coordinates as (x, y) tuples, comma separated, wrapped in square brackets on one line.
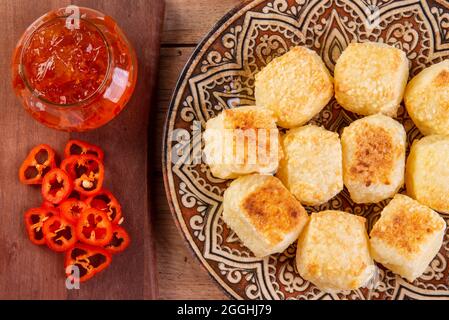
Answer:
[(74, 69)]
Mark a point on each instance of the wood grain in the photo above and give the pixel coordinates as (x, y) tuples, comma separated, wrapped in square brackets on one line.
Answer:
[(181, 275), (30, 272), (187, 22)]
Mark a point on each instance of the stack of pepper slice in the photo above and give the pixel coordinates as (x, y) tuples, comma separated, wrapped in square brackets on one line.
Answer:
[(78, 216)]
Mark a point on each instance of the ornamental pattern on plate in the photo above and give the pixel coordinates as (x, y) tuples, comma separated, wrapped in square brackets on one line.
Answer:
[(221, 75)]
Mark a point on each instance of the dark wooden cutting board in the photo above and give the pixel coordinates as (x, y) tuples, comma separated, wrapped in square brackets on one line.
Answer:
[(31, 272)]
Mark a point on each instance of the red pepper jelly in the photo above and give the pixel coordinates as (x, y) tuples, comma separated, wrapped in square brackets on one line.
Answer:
[(65, 66), (74, 74)]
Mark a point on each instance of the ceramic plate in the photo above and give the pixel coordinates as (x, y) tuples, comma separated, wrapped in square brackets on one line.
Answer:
[(220, 75)]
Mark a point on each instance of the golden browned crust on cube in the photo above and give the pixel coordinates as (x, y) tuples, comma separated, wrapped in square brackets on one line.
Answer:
[(407, 237), (374, 156), (406, 227), (272, 209), (245, 119), (252, 119), (250, 128), (263, 214), (442, 79)]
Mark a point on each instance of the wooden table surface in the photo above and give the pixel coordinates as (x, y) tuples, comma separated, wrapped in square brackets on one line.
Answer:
[(180, 273), (31, 272)]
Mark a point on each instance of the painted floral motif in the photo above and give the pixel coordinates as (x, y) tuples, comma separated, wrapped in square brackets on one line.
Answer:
[(220, 75)]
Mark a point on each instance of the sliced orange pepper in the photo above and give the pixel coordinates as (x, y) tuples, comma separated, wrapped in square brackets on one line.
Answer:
[(78, 147), (87, 172), (56, 186), (120, 240), (34, 221), (105, 201), (94, 228), (38, 162), (67, 163), (72, 208), (88, 261), (59, 233)]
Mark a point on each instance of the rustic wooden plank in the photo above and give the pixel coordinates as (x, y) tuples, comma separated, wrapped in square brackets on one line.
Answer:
[(27, 271), (181, 275), (187, 22), (172, 61)]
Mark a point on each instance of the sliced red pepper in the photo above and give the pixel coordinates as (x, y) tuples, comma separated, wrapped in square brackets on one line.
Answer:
[(56, 186), (38, 162), (120, 240), (105, 201), (88, 174), (76, 195), (88, 260), (34, 221), (47, 204), (78, 147), (94, 228), (72, 208), (67, 164), (59, 234)]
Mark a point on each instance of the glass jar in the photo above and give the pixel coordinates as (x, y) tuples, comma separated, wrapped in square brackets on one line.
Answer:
[(74, 69)]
